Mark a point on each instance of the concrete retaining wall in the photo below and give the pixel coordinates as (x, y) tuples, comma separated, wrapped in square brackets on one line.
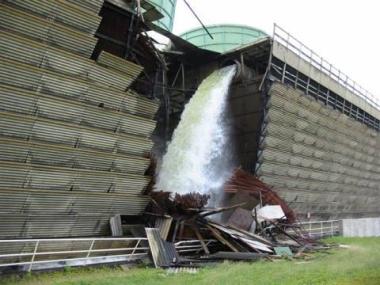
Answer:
[(369, 227)]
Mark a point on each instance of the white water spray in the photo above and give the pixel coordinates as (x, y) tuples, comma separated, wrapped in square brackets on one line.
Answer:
[(199, 140)]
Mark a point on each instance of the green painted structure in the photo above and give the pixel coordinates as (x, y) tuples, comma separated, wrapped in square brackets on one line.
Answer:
[(167, 9), (226, 36)]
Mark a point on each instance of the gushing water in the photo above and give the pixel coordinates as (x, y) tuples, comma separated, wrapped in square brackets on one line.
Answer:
[(199, 141)]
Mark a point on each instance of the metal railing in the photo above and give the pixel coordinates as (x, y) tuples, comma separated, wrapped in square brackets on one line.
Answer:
[(327, 228), (102, 250), (86, 248), (291, 43)]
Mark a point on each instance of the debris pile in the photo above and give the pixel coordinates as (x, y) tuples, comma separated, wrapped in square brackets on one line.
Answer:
[(185, 232), (242, 181), (191, 201)]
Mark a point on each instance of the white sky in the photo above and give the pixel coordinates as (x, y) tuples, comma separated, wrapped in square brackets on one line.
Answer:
[(344, 32)]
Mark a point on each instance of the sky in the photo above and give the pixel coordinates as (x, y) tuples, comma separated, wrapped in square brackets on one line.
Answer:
[(344, 32)]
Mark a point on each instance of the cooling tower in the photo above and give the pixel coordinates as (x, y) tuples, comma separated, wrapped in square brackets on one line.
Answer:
[(74, 137)]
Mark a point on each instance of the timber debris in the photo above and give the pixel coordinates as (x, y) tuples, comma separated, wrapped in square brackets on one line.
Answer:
[(186, 232)]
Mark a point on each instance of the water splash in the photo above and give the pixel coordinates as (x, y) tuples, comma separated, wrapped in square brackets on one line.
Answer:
[(193, 161)]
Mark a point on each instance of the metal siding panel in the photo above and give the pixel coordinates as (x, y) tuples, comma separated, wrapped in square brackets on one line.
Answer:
[(44, 30), (63, 169), (318, 157), (43, 81), (62, 12), (90, 5), (120, 64)]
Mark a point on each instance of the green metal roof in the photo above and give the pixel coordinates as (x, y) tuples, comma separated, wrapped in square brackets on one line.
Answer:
[(226, 36), (166, 8)]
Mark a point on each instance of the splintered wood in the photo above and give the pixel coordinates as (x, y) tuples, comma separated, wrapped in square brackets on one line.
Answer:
[(202, 234)]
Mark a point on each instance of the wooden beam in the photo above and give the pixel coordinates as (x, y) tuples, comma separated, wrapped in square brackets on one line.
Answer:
[(199, 236), (220, 238)]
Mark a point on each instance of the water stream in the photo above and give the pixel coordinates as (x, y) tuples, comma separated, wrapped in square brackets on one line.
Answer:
[(194, 161)]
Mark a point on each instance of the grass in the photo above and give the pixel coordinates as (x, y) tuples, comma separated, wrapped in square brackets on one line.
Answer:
[(357, 265)]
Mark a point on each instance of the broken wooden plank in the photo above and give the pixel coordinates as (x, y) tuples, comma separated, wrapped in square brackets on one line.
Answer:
[(252, 235), (164, 224), (255, 244), (220, 238), (236, 255), (163, 253), (116, 228), (285, 233), (221, 209), (244, 238), (177, 222), (199, 236)]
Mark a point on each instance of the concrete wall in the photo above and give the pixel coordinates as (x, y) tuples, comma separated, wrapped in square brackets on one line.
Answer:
[(319, 160), (369, 227)]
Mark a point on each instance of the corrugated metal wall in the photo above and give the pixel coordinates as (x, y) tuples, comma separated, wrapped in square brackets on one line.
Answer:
[(321, 161), (244, 107), (73, 142)]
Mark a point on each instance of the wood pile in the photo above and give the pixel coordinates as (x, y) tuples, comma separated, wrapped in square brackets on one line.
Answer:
[(267, 231)]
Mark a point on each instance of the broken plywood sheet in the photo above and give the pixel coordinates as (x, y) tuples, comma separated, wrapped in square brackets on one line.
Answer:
[(255, 244), (163, 253), (241, 218), (163, 224), (116, 228), (270, 212), (244, 238)]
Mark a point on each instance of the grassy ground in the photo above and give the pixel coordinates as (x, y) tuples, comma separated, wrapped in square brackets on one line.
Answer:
[(357, 265)]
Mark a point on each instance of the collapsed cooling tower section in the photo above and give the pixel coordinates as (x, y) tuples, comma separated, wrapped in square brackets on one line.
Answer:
[(74, 144), (318, 159)]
